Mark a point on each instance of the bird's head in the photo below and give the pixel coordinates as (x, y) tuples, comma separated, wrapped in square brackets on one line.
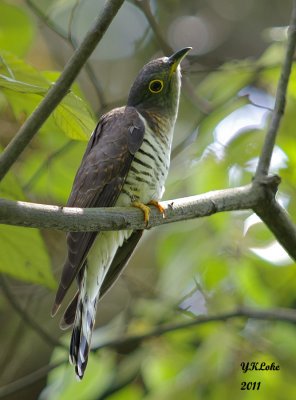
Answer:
[(157, 86)]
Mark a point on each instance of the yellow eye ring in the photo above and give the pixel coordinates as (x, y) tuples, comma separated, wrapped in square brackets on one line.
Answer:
[(156, 86)]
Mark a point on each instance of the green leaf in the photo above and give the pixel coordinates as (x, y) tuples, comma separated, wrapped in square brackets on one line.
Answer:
[(10, 188), (73, 118), (23, 254), (49, 173), (17, 69), (24, 88), (273, 55), (16, 29)]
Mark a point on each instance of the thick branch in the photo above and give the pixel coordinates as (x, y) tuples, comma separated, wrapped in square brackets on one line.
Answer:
[(278, 221), (117, 218), (280, 100), (260, 197), (60, 88)]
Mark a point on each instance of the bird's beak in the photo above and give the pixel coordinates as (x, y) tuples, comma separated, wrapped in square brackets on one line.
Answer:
[(175, 59)]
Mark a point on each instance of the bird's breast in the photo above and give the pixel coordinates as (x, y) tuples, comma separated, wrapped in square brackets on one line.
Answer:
[(148, 172)]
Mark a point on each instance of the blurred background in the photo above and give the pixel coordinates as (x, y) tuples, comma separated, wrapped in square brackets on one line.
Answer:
[(179, 271)]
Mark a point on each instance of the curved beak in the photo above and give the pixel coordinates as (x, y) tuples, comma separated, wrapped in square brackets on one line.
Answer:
[(176, 58)]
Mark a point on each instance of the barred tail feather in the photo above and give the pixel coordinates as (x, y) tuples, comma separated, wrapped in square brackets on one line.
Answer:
[(82, 332), (101, 269)]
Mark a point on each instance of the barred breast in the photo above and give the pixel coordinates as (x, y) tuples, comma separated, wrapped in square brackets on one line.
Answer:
[(149, 169)]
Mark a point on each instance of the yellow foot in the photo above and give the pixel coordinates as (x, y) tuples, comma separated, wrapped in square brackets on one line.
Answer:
[(146, 210), (156, 204)]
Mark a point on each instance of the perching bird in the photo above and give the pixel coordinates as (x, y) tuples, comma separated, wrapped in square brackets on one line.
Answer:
[(126, 163)]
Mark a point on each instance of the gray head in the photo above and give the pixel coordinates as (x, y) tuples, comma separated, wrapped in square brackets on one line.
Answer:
[(157, 86)]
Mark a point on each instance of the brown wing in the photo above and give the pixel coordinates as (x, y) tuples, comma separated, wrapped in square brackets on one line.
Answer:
[(99, 180)]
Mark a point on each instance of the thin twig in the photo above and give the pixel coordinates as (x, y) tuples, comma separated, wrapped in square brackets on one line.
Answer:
[(26, 317), (67, 36), (45, 19), (70, 24), (60, 88), (280, 100), (189, 139), (144, 6), (29, 379), (276, 314)]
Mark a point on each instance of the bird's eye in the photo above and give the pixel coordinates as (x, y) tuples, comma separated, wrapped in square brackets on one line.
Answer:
[(156, 86)]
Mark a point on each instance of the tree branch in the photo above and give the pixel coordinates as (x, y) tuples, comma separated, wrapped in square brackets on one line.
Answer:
[(29, 379), (117, 218), (278, 221), (69, 39), (280, 101), (259, 196), (60, 88), (144, 6), (276, 314)]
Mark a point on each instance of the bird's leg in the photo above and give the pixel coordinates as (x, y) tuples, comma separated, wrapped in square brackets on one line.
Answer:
[(146, 210)]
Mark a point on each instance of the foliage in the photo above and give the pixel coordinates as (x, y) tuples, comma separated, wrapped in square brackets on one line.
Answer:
[(23, 88), (204, 266)]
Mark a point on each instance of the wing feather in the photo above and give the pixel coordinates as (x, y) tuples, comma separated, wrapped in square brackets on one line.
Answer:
[(99, 180)]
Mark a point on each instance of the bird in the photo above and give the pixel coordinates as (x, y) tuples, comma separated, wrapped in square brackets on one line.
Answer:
[(125, 164)]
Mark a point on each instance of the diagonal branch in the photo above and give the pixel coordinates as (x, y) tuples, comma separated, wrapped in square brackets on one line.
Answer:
[(68, 38), (60, 88), (280, 101), (279, 223), (28, 380)]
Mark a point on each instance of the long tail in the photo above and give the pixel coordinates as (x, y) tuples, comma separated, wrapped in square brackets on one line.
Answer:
[(82, 330)]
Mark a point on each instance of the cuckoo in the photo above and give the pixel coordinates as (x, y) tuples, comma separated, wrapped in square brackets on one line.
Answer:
[(125, 163)]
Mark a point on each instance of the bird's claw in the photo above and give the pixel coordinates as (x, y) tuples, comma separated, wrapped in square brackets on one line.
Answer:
[(146, 210)]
